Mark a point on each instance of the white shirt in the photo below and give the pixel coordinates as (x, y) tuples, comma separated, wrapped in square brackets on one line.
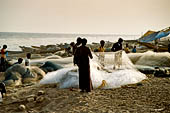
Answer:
[(27, 62)]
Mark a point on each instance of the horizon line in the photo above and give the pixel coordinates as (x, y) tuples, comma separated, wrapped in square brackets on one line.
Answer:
[(70, 33)]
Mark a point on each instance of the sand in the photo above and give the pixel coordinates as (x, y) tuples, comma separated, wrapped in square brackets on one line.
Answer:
[(151, 95)]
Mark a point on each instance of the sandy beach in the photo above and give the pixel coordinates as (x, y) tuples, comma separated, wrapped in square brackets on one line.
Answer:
[(85, 56), (149, 95)]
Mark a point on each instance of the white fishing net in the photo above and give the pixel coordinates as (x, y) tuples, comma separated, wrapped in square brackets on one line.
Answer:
[(113, 60), (151, 58), (154, 59), (114, 70)]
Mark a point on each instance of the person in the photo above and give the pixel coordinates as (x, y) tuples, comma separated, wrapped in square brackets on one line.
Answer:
[(27, 60), (68, 51), (83, 53), (156, 47), (19, 61), (127, 48), (78, 44), (3, 58), (27, 64), (2, 89), (72, 44), (101, 50), (117, 46), (169, 48), (134, 49)]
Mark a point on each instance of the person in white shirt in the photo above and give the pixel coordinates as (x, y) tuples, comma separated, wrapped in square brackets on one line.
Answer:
[(27, 60), (27, 64)]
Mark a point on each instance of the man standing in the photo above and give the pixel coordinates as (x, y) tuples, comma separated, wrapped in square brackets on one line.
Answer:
[(83, 53), (101, 50), (117, 47), (78, 44), (3, 58)]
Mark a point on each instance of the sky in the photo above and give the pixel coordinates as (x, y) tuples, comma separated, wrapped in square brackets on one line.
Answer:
[(84, 16)]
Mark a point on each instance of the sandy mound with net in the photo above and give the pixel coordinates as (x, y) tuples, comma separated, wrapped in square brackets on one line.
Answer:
[(125, 74), (151, 59)]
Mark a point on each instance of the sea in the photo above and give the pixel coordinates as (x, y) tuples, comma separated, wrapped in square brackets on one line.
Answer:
[(15, 39)]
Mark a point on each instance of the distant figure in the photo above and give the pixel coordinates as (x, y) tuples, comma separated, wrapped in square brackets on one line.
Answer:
[(3, 58), (19, 61), (78, 44), (169, 48), (134, 49), (2, 89), (83, 53), (156, 47), (101, 50), (72, 44), (68, 51), (127, 48), (27, 64), (27, 60), (117, 47)]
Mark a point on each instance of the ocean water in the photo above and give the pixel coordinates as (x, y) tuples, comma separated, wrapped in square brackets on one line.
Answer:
[(14, 40)]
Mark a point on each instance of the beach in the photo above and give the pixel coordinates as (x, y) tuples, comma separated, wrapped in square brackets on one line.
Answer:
[(148, 95), (151, 95), (84, 56)]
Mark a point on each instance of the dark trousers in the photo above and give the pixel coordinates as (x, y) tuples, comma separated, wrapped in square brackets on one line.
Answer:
[(85, 82), (2, 65)]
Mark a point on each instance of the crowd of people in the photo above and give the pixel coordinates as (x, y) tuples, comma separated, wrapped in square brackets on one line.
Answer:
[(81, 55), (4, 64)]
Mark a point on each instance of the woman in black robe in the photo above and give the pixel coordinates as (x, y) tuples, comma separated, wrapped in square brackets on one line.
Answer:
[(82, 57)]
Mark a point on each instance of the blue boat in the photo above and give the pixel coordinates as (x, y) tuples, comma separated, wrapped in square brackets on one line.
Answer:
[(152, 35)]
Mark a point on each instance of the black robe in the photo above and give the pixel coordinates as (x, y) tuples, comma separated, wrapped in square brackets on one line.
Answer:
[(82, 58)]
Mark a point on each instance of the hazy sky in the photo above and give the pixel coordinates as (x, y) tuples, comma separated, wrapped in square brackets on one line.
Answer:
[(84, 16)]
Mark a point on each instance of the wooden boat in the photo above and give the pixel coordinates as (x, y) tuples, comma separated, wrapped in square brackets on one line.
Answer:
[(44, 49), (152, 46)]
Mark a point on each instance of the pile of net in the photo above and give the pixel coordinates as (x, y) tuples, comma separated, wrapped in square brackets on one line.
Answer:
[(108, 70)]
